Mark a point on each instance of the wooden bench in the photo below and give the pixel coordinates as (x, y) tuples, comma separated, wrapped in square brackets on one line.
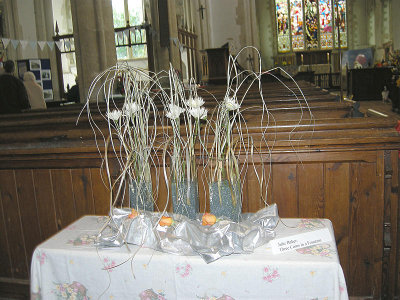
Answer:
[(343, 169)]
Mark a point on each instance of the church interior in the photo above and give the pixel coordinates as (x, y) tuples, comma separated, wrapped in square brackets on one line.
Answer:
[(335, 157)]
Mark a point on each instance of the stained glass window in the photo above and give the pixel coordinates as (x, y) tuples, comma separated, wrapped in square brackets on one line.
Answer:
[(282, 24), (342, 20), (325, 24), (310, 24), (296, 21), (311, 16)]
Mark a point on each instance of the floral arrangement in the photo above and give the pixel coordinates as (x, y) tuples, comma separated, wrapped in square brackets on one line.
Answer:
[(184, 112), (134, 124), (185, 131)]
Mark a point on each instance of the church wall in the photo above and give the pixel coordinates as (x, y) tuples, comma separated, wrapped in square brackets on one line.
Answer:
[(222, 19), (233, 22), (62, 15)]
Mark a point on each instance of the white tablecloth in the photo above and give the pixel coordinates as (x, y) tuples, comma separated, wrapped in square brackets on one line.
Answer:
[(68, 266)]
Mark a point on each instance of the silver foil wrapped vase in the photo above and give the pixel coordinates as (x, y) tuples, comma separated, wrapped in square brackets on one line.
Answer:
[(141, 195), (226, 200), (185, 198)]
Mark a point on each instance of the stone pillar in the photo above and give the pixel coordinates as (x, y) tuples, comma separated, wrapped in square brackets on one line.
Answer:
[(395, 23), (174, 55), (265, 12), (13, 28), (43, 10), (94, 40), (163, 56)]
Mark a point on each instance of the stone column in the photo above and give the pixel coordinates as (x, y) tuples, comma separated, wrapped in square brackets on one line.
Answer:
[(44, 32), (12, 28), (94, 40), (163, 56), (174, 55)]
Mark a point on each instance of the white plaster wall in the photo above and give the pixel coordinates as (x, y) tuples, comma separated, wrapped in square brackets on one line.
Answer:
[(222, 19), (62, 15), (28, 25), (234, 22)]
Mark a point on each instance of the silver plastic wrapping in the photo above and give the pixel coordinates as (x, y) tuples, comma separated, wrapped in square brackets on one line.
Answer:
[(189, 237)]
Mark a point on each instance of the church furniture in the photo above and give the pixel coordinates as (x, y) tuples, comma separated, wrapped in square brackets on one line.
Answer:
[(70, 264), (214, 65), (343, 169), (367, 84)]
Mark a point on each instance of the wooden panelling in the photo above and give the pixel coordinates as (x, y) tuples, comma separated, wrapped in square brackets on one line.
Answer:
[(11, 211), (101, 192), (310, 179), (14, 289), (5, 259), (365, 236), (396, 224), (45, 203), (284, 189), (337, 196), (390, 230), (28, 211), (63, 197), (203, 190), (253, 192), (394, 286), (82, 190)]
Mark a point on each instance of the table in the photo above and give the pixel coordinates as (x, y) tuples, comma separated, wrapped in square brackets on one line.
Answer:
[(69, 266)]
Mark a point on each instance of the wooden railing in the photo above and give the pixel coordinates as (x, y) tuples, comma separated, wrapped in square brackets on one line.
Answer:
[(327, 80), (67, 45)]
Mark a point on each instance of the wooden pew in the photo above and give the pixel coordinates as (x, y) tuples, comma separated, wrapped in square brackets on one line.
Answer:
[(344, 169)]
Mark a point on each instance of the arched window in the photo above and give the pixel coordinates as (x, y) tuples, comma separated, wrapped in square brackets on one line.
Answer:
[(129, 12), (309, 24)]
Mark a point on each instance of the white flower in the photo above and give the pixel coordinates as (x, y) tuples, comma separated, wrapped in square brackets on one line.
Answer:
[(131, 108), (198, 113), (114, 115), (231, 103), (174, 111), (195, 102)]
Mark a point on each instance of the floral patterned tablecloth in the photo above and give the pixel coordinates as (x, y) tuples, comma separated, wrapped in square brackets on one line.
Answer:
[(69, 266)]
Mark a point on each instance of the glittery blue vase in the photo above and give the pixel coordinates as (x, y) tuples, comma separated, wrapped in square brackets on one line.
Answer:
[(225, 200), (140, 196), (185, 198)]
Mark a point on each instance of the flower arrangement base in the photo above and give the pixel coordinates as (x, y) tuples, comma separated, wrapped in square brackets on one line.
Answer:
[(141, 196), (222, 203), (185, 198), (177, 234)]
